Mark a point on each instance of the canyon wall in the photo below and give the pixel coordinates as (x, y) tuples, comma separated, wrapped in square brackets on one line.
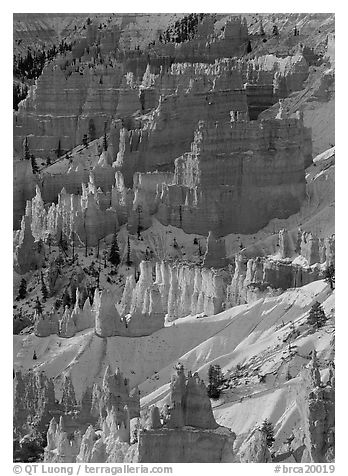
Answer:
[(185, 432), (298, 259), (237, 177), (316, 402)]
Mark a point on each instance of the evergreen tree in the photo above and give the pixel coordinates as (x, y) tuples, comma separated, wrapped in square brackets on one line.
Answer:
[(139, 228), (59, 149), (66, 299), (43, 288), (329, 275), (34, 356), (22, 291), (114, 255), (34, 166), (275, 30), (26, 149), (316, 317), (48, 160), (216, 379), (128, 260), (85, 140), (105, 142), (268, 430), (249, 49), (38, 306)]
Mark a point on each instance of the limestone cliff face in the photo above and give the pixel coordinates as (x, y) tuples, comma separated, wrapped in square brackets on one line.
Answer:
[(115, 393), (85, 218), (29, 254), (187, 445), (316, 404), (298, 258), (109, 445), (46, 324), (68, 101), (60, 447), (145, 314), (189, 432), (178, 291), (23, 188), (165, 138), (215, 255), (34, 401), (110, 406), (107, 319), (237, 177), (145, 202)]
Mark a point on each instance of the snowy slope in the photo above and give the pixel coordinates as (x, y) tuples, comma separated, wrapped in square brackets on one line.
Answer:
[(254, 336)]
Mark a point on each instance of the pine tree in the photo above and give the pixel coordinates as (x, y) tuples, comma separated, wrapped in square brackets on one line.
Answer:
[(26, 149), (59, 149), (43, 288), (216, 379), (34, 356), (316, 317), (34, 166), (114, 255), (268, 430), (139, 228), (85, 140), (105, 142), (249, 49), (329, 275), (22, 291), (128, 260), (275, 30)]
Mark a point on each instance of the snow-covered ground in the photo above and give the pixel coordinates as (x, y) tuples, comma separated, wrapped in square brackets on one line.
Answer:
[(255, 337)]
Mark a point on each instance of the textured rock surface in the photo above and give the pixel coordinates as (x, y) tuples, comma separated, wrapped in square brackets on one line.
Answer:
[(114, 392), (316, 402), (23, 188), (189, 434), (219, 185), (29, 254), (33, 401), (85, 218), (178, 290), (255, 449), (215, 255)]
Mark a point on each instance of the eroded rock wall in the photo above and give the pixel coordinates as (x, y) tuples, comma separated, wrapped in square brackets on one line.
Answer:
[(237, 177)]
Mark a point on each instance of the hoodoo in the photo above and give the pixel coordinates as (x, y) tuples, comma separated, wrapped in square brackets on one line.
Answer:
[(174, 238)]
